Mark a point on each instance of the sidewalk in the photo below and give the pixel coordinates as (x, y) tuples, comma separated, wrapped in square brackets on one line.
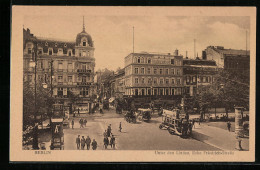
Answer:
[(217, 137)]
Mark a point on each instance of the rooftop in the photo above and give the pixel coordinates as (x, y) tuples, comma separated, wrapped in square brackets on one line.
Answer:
[(222, 50)]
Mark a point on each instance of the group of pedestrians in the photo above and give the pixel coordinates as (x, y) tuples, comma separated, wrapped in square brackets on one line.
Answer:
[(108, 134), (81, 143), (83, 123)]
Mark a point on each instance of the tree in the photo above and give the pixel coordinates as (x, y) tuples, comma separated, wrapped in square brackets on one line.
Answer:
[(229, 89), (29, 107)]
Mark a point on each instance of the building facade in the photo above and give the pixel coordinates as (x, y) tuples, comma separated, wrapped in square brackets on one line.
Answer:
[(66, 67), (228, 59), (148, 74), (197, 73), (117, 84)]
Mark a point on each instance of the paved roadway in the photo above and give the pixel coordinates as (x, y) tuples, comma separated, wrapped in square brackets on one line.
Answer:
[(138, 136)]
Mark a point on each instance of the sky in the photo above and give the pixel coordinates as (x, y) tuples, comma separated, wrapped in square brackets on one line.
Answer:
[(113, 34)]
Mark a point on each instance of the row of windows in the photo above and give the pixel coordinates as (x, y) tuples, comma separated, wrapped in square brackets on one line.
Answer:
[(155, 91), (50, 51), (80, 79), (142, 60), (148, 60), (61, 79), (63, 91), (160, 71), (203, 79), (156, 81)]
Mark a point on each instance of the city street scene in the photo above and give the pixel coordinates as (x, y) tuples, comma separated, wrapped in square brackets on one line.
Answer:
[(136, 83)]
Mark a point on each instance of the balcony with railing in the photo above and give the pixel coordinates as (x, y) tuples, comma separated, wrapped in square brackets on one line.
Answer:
[(84, 83), (83, 71)]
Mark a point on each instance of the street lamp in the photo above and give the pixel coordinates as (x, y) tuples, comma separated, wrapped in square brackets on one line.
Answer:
[(35, 131)]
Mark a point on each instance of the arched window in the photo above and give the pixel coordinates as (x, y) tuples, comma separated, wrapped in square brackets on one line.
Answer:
[(138, 60), (142, 60), (135, 60), (149, 61), (84, 43)]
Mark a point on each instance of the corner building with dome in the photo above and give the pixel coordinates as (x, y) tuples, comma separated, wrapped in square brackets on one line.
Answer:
[(66, 68)]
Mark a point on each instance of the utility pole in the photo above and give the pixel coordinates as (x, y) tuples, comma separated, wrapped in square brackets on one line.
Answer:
[(133, 39), (194, 48), (246, 42)]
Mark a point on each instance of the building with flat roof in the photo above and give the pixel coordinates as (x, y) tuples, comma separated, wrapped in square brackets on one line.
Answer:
[(153, 74), (196, 73), (228, 59)]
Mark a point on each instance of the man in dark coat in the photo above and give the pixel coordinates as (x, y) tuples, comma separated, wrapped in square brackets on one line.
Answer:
[(81, 123), (85, 122), (106, 142), (120, 127), (78, 141), (109, 130), (72, 123), (82, 142), (229, 125), (94, 144), (88, 142), (113, 142)]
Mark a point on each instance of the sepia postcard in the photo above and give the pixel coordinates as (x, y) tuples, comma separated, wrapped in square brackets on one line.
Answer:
[(132, 84)]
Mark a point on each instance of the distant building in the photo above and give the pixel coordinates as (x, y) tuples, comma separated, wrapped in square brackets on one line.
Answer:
[(67, 67), (197, 73), (153, 74), (118, 84), (228, 59)]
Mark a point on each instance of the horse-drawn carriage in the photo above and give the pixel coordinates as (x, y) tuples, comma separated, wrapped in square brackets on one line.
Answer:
[(175, 123), (130, 116)]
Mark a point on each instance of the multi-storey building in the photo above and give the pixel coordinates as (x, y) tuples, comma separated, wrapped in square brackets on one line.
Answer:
[(197, 73), (153, 74), (117, 84), (66, 67), (228, 59)]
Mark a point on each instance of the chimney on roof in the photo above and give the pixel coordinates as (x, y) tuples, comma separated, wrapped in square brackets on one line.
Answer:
[(176, 52), (186, 54), (204, 55), (197, 58)]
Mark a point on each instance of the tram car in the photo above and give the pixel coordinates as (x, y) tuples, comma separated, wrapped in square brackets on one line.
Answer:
[(176, 123), (144, 114)]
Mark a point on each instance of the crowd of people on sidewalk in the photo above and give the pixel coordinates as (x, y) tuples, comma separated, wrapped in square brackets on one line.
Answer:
[(109, 138), (81, 143)]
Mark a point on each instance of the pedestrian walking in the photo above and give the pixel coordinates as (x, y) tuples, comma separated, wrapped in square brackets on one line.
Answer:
[(78, 112), (113, 142), (81, 123), (109, 130), (72, 123), (229, 125), (94, 144), (78, 141), (105, 133), (106, 142), (88, 142), (120, 127), (193, 123), (85, 122), (82, 142)]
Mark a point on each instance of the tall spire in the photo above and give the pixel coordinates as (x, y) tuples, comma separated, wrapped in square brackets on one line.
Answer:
[(83, 25)]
